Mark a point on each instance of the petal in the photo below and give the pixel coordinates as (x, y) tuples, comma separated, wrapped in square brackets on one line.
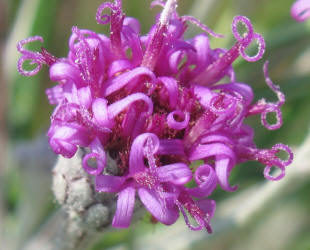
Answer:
[(109, 183), (214, 149), (100, 111), (207, 206), (137, 152), (223, 167), (117, 107), (171, 86), (84, 97), (206, 180), (174, 123), (157, 206), (177, 173), (242, 89), (124, 209), (224, 161), (131, 41), (65, 71), (212, 138), (118, 66), (202, 52), (204, 95), (122, 80), (98, 153), (55, 94), (300, 10), (64, 138), (133, 23), (171, 147)]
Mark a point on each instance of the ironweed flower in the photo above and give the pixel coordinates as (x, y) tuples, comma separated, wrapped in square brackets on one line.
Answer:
[(300, 10), (154, 104)]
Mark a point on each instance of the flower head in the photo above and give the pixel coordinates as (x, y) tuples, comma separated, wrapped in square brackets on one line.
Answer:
[(154, 104)]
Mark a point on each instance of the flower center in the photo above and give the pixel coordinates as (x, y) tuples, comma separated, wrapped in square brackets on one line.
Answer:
[(146, 179)]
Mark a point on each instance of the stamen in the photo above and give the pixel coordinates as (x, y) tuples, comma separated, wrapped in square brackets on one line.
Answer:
[(202, 26), (35, 58), (157, 2), (116, 24), (83, 56), (266, 108), (278, 162), (169, 8), (186, 219), (157, 40), (202, 218), (117, 17), (219, 68), (48, 57), (104, 18)]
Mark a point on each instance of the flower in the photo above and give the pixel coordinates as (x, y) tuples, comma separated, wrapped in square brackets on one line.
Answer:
[(155, 104), (300, 10)]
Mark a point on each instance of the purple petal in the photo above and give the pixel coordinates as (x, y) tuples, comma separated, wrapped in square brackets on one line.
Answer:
[(300, 10), (122, 80), (108, 183), (98, 153), (174, 123), (115, 108), (171, 147), (137, 152), (206, 180), (215, 149), (125, 207), (216, 138), (223, 166), (171, 86), (177, 173), (131, 41), (65, 71), (130, 120), (204, 95), (138, 127), (100, 111), (224, 161), (242, 89), (65, 138), (118, 66), (157, 206), (133, 23), (201, 58), (207, 206), (55, 94), (84, 97)]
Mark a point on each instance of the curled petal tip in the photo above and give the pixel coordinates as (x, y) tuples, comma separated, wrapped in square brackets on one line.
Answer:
[(300, 10)]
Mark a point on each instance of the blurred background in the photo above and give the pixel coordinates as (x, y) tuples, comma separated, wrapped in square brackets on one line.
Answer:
[(259, 215)]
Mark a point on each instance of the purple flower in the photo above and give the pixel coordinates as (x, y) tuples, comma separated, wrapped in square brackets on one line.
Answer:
[(160, 188), (300, 10), (156, 186), (154, 104)]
